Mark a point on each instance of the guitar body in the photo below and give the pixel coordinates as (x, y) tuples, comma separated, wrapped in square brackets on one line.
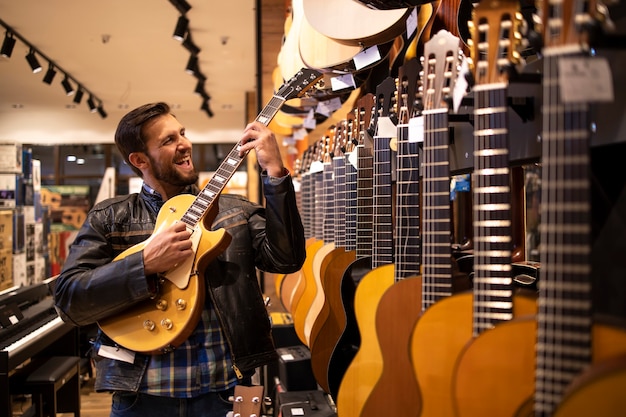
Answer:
[(396, 392), (326, 252), (597, 392), (287, 289), (347, 339), (366, 367), (327, 324), (306, 290), (488, 382), (344, 21), (438, 338), (127, 328)]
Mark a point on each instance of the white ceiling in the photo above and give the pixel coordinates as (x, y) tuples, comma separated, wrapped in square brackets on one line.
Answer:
[(123, 51)]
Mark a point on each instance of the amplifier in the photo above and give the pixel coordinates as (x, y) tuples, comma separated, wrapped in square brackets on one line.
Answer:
[(304, 403), (294, 368)]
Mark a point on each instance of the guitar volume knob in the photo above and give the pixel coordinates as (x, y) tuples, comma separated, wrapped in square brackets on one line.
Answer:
[(181, 304), (161, 305), (167, 324), (149, 325)]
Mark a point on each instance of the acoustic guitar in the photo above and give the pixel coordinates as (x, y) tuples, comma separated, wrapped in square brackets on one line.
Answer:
[(396, 391), (546, 353), (158, 325), (364, 370), (429, 341)]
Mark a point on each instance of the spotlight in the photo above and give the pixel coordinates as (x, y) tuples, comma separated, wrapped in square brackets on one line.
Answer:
[(189, 45), (7, 45), (199, 88), (101, 111), (206, 108), (91, 104), (69, 90), (79, 95), (181, 5), (192, 65), (181, 28), (49, 75), (32, 61)]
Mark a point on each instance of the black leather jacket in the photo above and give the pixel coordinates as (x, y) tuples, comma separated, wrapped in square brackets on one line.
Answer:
[(91, 287)]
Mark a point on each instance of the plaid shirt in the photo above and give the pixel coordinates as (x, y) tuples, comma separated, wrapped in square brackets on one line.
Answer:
[(201, 364)]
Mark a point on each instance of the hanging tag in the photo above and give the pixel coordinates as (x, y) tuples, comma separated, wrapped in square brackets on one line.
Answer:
[(385, 128), (117, 353), (416, 129), (460, 87), (585, 80), (366, 57), (342, 82), (328, 107), (411, 23), (309, 121)]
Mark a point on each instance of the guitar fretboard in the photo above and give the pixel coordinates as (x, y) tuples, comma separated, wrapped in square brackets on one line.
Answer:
[(407, 256), (339, 177), (225, 171), (364, 212), (350, 204), (564, 322), (436, 245), (492, 281), (328, 208), (382, 222)]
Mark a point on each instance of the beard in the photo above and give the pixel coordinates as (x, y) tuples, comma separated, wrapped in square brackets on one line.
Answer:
[(170, 175)]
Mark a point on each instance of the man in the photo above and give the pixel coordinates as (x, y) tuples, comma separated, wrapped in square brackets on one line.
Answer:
[(232, 337)]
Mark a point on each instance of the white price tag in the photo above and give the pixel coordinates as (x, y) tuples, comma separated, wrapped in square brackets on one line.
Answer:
[(117, 353), (297, 411), (416, 129), (342, 82), (309, 121), (366, 57), (585, 80)]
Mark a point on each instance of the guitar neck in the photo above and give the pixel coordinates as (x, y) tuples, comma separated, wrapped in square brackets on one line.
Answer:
[(382, 224), (351, 204), (407, 257), (564, 321), (436, 245), (226, 170), (339, 192), (365, 204), (492, 209), (328, 211)]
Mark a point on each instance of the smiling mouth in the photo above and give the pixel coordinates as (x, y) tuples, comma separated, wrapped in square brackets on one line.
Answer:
[(185, 161)]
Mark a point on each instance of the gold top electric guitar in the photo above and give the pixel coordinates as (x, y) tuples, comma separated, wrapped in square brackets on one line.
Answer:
[(160, 324)]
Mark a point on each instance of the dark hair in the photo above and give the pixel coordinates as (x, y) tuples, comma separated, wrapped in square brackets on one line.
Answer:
[(129, 136)]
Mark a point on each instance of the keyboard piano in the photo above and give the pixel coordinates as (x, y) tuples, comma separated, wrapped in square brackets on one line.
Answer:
[(30, 328)]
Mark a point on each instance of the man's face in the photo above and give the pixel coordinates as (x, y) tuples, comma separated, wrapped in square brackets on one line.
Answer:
[(169, 152)]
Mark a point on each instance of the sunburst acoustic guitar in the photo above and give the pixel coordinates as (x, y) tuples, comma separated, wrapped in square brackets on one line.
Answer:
[(159, 325)]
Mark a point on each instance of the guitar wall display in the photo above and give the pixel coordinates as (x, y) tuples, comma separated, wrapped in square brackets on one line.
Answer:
[(483, 336)]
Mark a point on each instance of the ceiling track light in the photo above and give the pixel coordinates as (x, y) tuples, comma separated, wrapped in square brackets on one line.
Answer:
[(79, 95), (7, 49), (101, 111), (49, 75), (69, 90), (182, 6), (192, 65), (33, 62), (181, 28), (206, 108), (7, 45), (91, 104), (189, 45)]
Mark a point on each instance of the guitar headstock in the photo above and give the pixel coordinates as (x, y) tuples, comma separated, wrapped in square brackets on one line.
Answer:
[(247, 401), (386, 102), (495, 41), (441, 60), (408, 90), (566, 22), (297, 85), (365, 108)]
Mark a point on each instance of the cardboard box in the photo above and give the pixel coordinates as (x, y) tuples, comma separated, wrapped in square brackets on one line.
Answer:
[(19, 270), (6, 269), (11, 157), (6, 229), (11, 190)]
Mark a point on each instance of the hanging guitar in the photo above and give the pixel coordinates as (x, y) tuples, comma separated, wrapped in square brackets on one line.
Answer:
[(158, 325)]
